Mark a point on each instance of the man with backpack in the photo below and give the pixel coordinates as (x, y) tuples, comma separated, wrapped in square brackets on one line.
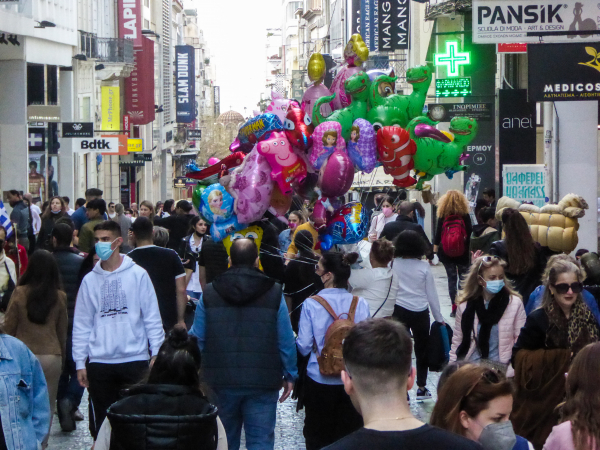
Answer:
[(404, 222), (248, 348)]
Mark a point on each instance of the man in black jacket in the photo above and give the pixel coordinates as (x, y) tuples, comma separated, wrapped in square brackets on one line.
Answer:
[(69, 263), (178, 224), (404, 222), (248, 348)]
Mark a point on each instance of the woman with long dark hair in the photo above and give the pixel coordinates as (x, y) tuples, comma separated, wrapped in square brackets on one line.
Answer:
[(189, 251), (56, 209), (523, 256), (37, 315)]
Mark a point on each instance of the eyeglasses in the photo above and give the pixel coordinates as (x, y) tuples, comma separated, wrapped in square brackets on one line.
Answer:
[(563, 288)]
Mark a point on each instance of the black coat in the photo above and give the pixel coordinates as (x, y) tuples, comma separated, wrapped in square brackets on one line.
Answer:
[(69, 264), (159, 416), (178, 226), (403, 223)]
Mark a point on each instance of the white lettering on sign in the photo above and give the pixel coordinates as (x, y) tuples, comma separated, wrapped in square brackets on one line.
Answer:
[(182, 78), (479, 148), (130, 18)]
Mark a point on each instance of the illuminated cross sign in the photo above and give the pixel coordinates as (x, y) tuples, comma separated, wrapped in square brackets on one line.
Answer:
[(452, 59)]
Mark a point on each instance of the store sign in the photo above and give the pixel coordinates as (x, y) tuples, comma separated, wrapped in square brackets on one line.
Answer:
[(122, 149), (142, 157), (132, 163), (452, 59), (111, 108), (369, 19), (130, 20), (453, 87), (525, 183), (103, 144), (179, 182), (126, 124), (511, 48), (355, 17), (44, 113), (139, 86), (135, 145), (194, 135), (445, 112), (575, 75), (525, 20), (185, 83), (394, 25), (36, 139), (77, 129)]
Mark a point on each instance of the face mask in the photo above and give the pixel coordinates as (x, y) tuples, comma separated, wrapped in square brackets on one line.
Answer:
[(54, 212), (494, 286), (293, 225), (498, 436), (104, 250), (387, 211)]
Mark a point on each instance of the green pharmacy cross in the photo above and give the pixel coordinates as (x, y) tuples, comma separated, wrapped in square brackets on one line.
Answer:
[(452, 59)]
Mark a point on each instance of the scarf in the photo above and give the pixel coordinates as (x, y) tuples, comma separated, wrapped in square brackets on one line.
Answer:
[(573, 333), (487, 319)]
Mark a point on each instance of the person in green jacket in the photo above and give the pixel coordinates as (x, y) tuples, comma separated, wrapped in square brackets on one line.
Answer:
[(485, 233)]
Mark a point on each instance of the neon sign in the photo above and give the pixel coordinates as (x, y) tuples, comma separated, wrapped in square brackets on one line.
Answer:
[(452, 59), (453, 87)]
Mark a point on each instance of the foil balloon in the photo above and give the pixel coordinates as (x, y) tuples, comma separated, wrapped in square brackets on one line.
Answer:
[(362, 146), (316, 68), (252, 187), (342, 99), (316, 73), (327, 138), (254, 232), (231, 161), (281, 203), (256, 129), (298, 127), (306, 189), (278, 105), (220, 230), (348, 225), (286, 166), (355, 54), (320, 211), (216, 204), (336, 175), (212, 161), (396, 150)]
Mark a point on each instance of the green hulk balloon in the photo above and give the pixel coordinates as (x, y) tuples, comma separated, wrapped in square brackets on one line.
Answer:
[(434, 156), (357, 87), (395, 109)]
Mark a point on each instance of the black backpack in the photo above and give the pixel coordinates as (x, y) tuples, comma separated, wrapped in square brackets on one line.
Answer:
[(440, 340)]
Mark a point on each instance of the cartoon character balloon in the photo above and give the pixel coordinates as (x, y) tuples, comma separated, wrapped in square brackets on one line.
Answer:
[(316, 73), (254, 130), (252, 187), (327, 138), (278, 105), (220, 230), (336, 175), (216, 204), (298, 127), (355, 54), (255, 232), (362, 146), (396, 150), (286, 166), (348, 225)]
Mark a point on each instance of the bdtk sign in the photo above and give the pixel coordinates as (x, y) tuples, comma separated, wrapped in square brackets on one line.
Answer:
[(97, 145)]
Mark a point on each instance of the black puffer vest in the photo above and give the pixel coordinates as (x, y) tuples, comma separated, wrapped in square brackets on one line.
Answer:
[(163, 417)]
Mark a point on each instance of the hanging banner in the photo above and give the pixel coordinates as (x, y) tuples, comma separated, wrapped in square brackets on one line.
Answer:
[(573, 76), (139, 86), (130, 20), (394, 24), (525, 183), (355, 17), (111, 108), (511, 21), (185, 83), (369, 23)]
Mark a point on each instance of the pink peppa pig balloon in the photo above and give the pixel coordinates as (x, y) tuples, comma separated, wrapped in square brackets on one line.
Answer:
[(362, 145), (336, 175), (327, 138), (212, 161), (286, 166), (278, 105), (253, 188)]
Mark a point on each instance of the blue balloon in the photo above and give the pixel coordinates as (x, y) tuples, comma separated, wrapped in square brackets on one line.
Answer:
[(216, 204), (348, 225), (220, 230), (258, 128)]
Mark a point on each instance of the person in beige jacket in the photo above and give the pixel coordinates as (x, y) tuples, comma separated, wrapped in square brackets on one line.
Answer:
[(489, 317)]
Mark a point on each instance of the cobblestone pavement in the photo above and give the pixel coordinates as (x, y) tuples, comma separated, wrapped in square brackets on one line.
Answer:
[(288, 433)]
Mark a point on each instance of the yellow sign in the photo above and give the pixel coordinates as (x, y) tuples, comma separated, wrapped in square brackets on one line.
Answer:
[(111, 108), (135, 145)]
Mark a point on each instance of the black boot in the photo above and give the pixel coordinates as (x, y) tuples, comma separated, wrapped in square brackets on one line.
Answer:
[(65, 415)]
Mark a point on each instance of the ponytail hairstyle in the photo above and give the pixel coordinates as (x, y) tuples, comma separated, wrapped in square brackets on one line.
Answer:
[(338, 264), (382, 251)]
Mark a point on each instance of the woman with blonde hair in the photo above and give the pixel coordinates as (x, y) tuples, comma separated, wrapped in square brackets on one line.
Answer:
[(489, 316), (452, 237)]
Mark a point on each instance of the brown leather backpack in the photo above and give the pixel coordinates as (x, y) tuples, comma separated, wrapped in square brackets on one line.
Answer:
[(331, 360)]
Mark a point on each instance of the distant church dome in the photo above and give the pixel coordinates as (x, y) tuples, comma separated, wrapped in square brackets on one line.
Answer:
[(231, 117)]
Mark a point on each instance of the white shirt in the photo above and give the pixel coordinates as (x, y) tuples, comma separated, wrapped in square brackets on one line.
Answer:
[(416, 286), (36, 212), (377, 224), (374, 285), (314, 321), (194, 283), (70, 211)]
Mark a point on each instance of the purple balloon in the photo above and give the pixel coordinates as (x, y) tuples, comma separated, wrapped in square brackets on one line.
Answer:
[(253, 188), (424, 130), (313, 94), (341, 99), (362, 146), (336, 175)]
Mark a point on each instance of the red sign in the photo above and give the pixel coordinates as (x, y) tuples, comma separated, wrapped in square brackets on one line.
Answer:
[(126, 121), (139, 86), (130, 20), (512, 48)]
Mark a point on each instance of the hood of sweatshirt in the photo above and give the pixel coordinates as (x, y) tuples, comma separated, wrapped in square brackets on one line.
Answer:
[(479, 229), (125, 265), (240, 286)]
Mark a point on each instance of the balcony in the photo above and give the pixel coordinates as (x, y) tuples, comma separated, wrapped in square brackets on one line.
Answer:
[(313, 8), (106, 50)]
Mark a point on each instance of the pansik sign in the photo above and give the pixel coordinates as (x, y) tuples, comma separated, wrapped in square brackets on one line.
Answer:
[(564, 72), (130, 20), (185, 83), (394, 25), (111, 108), (139, 86), (445, 112), (510, 21), (525, 183)]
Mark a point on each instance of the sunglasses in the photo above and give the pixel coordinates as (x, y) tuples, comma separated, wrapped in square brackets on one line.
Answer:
[(490, 376), (486, 261), (563, 288)]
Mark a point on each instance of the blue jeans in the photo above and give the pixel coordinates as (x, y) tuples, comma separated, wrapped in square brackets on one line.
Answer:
[(256, 409), (194, 295)]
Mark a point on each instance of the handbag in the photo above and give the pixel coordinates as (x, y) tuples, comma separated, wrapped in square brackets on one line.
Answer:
[(8, 292), (386, 297)]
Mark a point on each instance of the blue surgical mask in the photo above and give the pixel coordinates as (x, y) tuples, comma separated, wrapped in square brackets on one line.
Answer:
[(494, 286), (104, 250)]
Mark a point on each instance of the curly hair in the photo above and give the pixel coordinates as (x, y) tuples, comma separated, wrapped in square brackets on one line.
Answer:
[(452, 203)]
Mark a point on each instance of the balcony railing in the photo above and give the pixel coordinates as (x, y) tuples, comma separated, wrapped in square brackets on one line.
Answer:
[(108, 50)]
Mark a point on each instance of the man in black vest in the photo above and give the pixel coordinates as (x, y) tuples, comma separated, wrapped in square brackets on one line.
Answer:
[(248, 348), (404, 222)]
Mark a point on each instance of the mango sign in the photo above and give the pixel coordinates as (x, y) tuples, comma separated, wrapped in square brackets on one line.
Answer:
[(525, 183)]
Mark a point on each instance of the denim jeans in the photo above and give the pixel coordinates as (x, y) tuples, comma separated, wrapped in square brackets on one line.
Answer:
[(256, 409)]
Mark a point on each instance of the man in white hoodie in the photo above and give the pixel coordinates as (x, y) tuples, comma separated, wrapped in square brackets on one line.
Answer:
[(116, 315)]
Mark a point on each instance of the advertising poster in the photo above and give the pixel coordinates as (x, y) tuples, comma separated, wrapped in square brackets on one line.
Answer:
[(130, 20), (185, 83), (394, 25), (139, 86), (525, 183), (111, 108)]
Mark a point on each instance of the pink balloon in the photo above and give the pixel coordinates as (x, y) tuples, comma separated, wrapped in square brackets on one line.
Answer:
[(312, 94), (253, 188), (319, 214), (278, 105), (212, 161), (286, 166), (321, 148), (341, 99), (336, 175)]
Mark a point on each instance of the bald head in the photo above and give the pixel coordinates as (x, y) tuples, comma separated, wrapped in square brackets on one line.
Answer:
[(243, 253), (405, 208), (27, 196)]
